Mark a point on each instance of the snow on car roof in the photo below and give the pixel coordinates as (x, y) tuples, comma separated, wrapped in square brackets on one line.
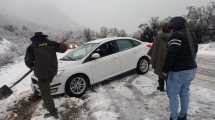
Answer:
[(108, 39)]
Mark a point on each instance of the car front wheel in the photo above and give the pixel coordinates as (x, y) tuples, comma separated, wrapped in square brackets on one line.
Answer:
[(143, 66), (76, 85)]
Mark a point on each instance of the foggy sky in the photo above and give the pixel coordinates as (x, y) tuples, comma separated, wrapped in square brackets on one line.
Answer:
[(125, 14)]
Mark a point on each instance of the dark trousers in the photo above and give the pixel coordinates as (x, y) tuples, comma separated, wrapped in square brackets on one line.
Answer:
[(161, 82), (48, 102)]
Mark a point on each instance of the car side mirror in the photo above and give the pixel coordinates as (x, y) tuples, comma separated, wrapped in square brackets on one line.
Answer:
[(95, 56)]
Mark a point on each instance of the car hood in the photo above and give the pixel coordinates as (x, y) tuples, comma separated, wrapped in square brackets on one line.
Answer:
[(62, 65)]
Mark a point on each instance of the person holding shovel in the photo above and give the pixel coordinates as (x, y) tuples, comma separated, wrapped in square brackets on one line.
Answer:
[(41, 57)]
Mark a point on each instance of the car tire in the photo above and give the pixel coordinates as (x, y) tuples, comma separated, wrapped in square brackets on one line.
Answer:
[(76, 85), (143, 65)]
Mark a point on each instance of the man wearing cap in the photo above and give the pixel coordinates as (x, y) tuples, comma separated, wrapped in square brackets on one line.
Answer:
[(180, 66), (41, 57)]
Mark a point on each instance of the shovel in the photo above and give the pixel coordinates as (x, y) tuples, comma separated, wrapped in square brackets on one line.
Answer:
[(6, 91)]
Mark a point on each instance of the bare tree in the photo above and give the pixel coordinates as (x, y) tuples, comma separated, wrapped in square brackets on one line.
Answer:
[(137, 35), (142, 27), (201, 20), (154, 23), (113, 32), (122, 33), (67, 36), (103, 32), (88, 35)]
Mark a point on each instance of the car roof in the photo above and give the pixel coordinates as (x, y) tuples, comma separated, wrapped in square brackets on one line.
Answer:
[(109, 39)]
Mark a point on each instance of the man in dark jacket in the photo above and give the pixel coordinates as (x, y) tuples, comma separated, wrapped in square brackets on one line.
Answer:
[(159, 51), (41, 57), (147, 35), (180, 66)]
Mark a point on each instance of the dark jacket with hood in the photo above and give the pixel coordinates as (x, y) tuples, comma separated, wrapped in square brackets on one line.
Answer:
[(179, 53), (159, 52), (147, 35), (41, 56)]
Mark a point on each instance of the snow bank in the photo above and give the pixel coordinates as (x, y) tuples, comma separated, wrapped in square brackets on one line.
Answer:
[(11, 73), (8, 75), (5, 46), (8, 51), (207, 49)]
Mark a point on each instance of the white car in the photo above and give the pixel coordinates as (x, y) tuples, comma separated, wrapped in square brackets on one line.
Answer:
[(97, 61)]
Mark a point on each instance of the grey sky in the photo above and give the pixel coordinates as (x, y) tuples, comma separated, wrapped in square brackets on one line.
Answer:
[(126, 14)]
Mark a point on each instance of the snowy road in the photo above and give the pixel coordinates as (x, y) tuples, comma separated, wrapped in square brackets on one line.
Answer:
[(135, 97), (129, 97), (206, 65), (206, 71)]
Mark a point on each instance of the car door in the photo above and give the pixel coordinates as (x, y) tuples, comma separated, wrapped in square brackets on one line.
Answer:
[(128, 53), (107, 65)]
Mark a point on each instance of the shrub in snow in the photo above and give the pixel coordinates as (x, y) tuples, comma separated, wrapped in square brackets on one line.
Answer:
[(10, 28), (8, 51), (5, 59)]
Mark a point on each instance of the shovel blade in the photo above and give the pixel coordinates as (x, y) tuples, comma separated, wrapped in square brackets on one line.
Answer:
[(5, 92)]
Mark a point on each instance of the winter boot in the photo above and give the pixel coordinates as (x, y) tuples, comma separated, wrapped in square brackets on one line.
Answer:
[(182, 117), (161, 84), (160, 88)]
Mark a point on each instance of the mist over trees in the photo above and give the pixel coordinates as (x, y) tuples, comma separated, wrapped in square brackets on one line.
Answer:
[(200, 19), (88, 34)]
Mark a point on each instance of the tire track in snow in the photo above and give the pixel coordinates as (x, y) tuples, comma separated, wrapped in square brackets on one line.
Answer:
[(126, 106), (136, 92), (137, 105), (152, 102)]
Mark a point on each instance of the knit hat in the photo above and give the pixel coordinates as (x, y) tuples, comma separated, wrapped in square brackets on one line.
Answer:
[(177, 23)]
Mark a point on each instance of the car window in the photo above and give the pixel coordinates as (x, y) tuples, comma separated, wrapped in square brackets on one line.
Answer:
[(135, 43), (124, 44), (106, 49)]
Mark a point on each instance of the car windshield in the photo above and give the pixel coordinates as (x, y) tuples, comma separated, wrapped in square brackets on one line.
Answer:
[(80, 52)]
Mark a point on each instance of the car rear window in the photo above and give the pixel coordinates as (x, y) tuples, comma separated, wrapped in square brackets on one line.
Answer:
[(124, 44)]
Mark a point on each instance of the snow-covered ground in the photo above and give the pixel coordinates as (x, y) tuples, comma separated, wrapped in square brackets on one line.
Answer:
[(4, 46), (131, 97), (207, 49), (135, 98), (9, 51)]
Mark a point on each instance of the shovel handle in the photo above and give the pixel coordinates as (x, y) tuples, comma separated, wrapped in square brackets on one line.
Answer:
[(20, 79)]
